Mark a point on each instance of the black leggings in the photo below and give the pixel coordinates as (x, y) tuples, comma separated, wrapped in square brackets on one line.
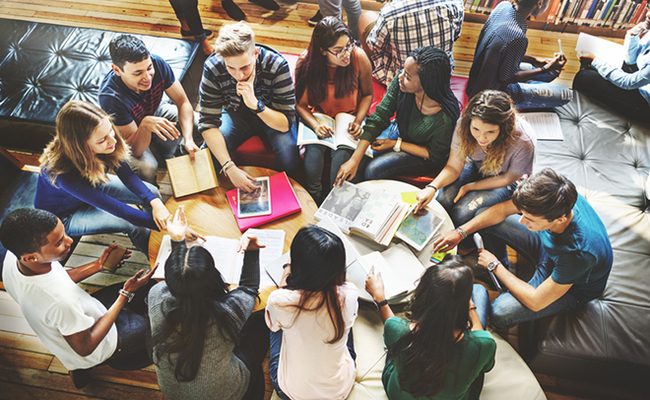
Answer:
[(252, 348), (629, 103)]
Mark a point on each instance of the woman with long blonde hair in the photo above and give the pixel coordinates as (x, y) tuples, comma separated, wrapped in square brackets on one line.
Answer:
[(85, 179), (490, 151)]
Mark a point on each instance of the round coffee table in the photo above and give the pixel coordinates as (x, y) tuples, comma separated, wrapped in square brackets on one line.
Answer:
[(209, 213)]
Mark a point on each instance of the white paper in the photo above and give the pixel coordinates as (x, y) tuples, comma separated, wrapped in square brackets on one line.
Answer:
[(272, 272), (610, 52), (545, 125), (274, 241)]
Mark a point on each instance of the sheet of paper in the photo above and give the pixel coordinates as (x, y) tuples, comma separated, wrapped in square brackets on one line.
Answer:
[(545, 125), (274, 241), (272, 271), (608, 51)]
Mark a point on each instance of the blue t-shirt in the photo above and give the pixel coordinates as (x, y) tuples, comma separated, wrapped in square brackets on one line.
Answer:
[(124, 104), (582, 254)]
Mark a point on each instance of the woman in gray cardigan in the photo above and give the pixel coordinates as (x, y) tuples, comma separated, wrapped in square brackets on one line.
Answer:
[(206, 344)]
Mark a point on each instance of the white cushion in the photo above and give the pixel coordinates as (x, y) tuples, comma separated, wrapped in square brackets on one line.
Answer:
[(509, 379)]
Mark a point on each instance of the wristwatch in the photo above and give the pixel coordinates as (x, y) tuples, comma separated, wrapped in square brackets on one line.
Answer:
[(493, 265), (260, 106), (381, 303), (398, 145)]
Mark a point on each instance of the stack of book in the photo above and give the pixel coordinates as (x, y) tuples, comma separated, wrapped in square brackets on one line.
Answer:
[(373, 215)]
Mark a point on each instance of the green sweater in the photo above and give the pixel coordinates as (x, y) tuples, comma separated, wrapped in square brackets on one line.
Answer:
[(474, 356), (434, 132)]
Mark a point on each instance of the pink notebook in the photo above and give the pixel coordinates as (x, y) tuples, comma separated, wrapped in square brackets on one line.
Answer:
[(283, 202)]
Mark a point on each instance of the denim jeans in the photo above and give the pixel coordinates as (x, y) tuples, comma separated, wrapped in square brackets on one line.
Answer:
[(466, 208), (274, 359), (314, 162), (146, 166), (332, 8), (506, 309), (539, 92), (385, 165), (482, 302), (89, 220), (134, 346), (188, 10), (238, 126)]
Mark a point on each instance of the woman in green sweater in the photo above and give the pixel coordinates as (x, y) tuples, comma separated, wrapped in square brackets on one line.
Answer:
[(440, 351), (419, 139)]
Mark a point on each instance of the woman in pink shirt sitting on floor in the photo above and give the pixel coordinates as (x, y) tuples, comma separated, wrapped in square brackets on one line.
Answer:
[(310, 317)]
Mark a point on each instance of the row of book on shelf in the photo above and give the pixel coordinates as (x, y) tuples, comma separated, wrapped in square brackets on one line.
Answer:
[(615, 14)]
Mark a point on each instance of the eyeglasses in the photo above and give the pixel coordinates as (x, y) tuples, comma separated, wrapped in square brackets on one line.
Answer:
[(345, 50)]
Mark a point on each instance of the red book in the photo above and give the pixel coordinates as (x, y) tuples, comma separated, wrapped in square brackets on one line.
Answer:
[(283, 202)]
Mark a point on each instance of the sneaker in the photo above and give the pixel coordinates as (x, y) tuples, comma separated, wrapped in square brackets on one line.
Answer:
[(233, 10), (313, 21), (268, 4), (209, 35), (80, 377)]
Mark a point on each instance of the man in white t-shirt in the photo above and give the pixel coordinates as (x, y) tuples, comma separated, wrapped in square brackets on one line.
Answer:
[(75, 326)]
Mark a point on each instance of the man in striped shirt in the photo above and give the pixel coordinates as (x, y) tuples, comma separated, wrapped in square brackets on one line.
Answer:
[(405, 25), (247, 90)]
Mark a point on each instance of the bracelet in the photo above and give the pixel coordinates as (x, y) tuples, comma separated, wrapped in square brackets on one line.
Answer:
[(434, 187), (543, 68), (398, 145), (228, 166), (129, 295), (461, 232), (493, 265), (382, 303)]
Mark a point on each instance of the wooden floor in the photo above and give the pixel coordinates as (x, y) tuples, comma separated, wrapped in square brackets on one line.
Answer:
[(27, 369)]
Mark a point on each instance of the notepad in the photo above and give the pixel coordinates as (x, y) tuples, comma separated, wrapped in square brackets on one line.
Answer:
[(189, 177)]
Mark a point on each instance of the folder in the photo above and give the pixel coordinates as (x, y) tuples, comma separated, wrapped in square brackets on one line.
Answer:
[(283, 202)]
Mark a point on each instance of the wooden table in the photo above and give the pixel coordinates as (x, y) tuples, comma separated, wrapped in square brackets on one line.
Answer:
[(209, 213)]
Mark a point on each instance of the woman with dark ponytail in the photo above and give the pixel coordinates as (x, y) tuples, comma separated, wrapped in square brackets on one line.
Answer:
[(206, 343), (440, 350), (311, 317), (418, 141)]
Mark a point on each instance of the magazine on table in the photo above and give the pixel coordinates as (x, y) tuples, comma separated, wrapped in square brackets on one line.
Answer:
[(418, 229), (256, 202), (374, 215)]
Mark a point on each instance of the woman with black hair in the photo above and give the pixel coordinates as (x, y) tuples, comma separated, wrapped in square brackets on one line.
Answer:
[(206, 344), (419, 139), (333, 76), (311, 317), (440, 351)]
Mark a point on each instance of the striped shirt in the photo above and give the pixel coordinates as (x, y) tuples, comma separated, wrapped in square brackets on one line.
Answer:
[(273, 86), (405, 25), (500, 49)]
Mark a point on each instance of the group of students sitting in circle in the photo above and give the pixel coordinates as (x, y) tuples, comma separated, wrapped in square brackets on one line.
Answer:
[(204, 338)]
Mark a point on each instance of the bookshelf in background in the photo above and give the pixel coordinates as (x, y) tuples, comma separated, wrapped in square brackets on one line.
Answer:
[(597, 17)]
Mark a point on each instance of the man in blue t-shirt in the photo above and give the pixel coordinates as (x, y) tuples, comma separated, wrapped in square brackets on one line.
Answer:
[(558, 230), (132, 92)]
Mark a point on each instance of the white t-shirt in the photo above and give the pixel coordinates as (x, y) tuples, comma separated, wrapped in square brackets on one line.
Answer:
[(54, 307), (309, 367)]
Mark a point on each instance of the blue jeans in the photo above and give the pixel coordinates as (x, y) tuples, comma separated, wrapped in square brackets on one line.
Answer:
[(274, 359), (314, 164), (89, 220), (239, 126), (466, 208), (539, 92), (482, 302), (506, 309), (332, 8)]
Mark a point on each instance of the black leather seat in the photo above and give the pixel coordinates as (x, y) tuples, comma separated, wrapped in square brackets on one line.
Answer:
[(42, 66), (608, 158)]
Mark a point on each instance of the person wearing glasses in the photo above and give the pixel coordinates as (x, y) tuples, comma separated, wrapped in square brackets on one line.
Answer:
[(419, 139), (332, 77)]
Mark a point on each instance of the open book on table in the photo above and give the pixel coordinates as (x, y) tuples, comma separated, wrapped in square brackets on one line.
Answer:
[(341, 137), (226, 258), (374, 215), (400, 270), (189, 177)]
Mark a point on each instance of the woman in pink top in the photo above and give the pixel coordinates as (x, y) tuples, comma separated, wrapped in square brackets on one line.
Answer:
[(310, 317)]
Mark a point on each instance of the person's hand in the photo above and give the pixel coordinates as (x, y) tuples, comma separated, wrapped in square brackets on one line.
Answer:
[(375, 285), (191, 148), (249, 243), (102, 259), (424, 197), (177, 226), (192, 235), (383, 144), (354, 129), (641, 28), (556, 63), (160, 214), (586, 55), (323, 131), (447, 241), (161, 127), (485, 257), (240, 179), (246, 90), (462, 192), (138, 280), (347, 171)]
